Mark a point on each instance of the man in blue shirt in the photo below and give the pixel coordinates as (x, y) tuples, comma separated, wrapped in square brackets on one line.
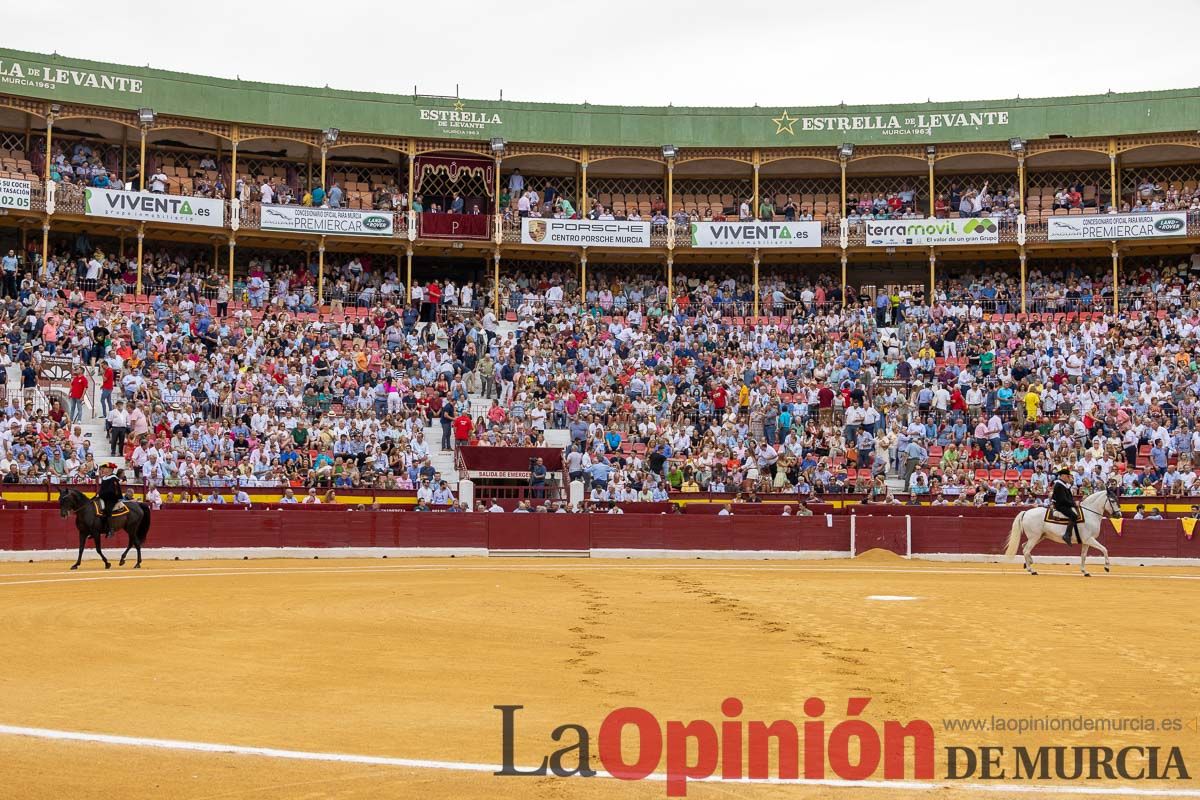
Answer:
[(9, 264), (335, 196), (600, 472)]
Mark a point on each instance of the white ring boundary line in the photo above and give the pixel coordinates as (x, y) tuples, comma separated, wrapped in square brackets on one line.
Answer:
[(126, 574), (458, 766)]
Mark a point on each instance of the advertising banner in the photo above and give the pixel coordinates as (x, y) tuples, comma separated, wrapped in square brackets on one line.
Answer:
[(332, 221), (153, 207), (932, 231), (1117, 226), (756, 234), (585, 232), (15, 194)]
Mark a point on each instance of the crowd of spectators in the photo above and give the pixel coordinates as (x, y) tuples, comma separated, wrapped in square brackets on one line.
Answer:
[(661, 390)]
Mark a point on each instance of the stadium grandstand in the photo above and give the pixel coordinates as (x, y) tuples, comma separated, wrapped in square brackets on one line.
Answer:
[(242, 292)]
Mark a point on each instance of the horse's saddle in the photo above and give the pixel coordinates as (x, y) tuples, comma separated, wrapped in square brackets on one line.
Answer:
[(1053, 517), (119, 509)]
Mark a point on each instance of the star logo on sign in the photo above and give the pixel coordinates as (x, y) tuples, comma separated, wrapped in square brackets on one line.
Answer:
[(784, 123), (459, 105)]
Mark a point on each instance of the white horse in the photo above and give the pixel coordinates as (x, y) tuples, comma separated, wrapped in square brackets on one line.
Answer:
[(1032, 522)]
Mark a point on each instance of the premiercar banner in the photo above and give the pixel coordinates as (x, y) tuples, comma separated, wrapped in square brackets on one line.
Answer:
[(332, 221), (1117, 226), (931, 231), (154, 207), (756, 234), (585, 232)]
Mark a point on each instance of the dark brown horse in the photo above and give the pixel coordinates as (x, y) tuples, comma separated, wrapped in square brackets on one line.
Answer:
[(90, 522)]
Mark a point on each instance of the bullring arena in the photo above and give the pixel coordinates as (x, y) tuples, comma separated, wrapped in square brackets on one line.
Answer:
[(673, 449)]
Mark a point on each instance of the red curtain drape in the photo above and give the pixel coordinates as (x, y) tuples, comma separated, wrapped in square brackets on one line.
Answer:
[(455, 168)]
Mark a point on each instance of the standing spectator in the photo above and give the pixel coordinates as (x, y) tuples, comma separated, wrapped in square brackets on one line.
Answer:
[(516, 183), (158, 182), (79, 387), (118, 429), (10, 263), (335, 195)]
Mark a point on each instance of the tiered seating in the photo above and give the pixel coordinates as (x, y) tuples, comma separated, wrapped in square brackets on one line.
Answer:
[(359, 194), (1039, 203), (14, 164), (820, 206)]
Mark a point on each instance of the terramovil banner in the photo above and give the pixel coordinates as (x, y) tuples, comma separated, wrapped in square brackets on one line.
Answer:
[(14, 193), (756, 234), (344, 221), (1117, 226), (901, 232), (153, 207), (585, 232)]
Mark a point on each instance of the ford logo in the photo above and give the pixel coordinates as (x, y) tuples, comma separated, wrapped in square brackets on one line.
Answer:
[(376, 223), (1168, 225), (877, 241)]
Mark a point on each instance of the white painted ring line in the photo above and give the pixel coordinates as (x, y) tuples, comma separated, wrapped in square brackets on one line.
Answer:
[(457, 766), (108, 575)]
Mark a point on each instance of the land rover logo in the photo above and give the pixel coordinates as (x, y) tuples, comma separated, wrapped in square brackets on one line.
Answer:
[(1168, 225), (537, 230), (376, 223)]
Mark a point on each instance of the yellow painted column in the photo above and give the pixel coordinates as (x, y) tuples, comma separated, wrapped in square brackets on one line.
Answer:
[(324, 152), (46, 239), (232, 243), (583, 280), (842, 212), (754, 206), (141, 235), (1115, 193), (584, 205), (1021, 180), (671, 190), (1023, 274), (408, 274), (931, 159), (233, 173), (321, 267), (412, 160), (756, 281), (496, 283), (496, 187), (142, 164), (844, 279), (1116, 257), (49, 139), (932, 276), (670, 284)]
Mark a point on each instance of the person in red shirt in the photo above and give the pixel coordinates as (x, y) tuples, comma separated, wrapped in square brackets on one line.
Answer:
[(79, 387), (825, 397), (720, 398), (106, 388), (462, 429), (433, 299)]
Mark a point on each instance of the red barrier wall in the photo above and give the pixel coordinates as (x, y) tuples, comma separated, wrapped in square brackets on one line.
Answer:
[(45, 529)]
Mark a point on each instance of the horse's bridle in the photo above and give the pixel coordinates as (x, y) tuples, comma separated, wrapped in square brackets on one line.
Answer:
[(1108, 501)]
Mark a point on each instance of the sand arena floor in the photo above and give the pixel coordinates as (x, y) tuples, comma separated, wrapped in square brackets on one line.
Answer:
[(406, 659)]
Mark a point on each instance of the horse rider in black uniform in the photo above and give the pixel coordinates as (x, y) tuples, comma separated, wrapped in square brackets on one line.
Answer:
[(1063, 499), (109, 493)]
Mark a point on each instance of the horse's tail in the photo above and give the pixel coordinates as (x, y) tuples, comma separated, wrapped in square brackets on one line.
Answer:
[(1014, 537), (144, 525)]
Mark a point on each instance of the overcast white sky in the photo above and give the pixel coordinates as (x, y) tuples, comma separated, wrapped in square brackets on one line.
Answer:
[(695, 52)]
